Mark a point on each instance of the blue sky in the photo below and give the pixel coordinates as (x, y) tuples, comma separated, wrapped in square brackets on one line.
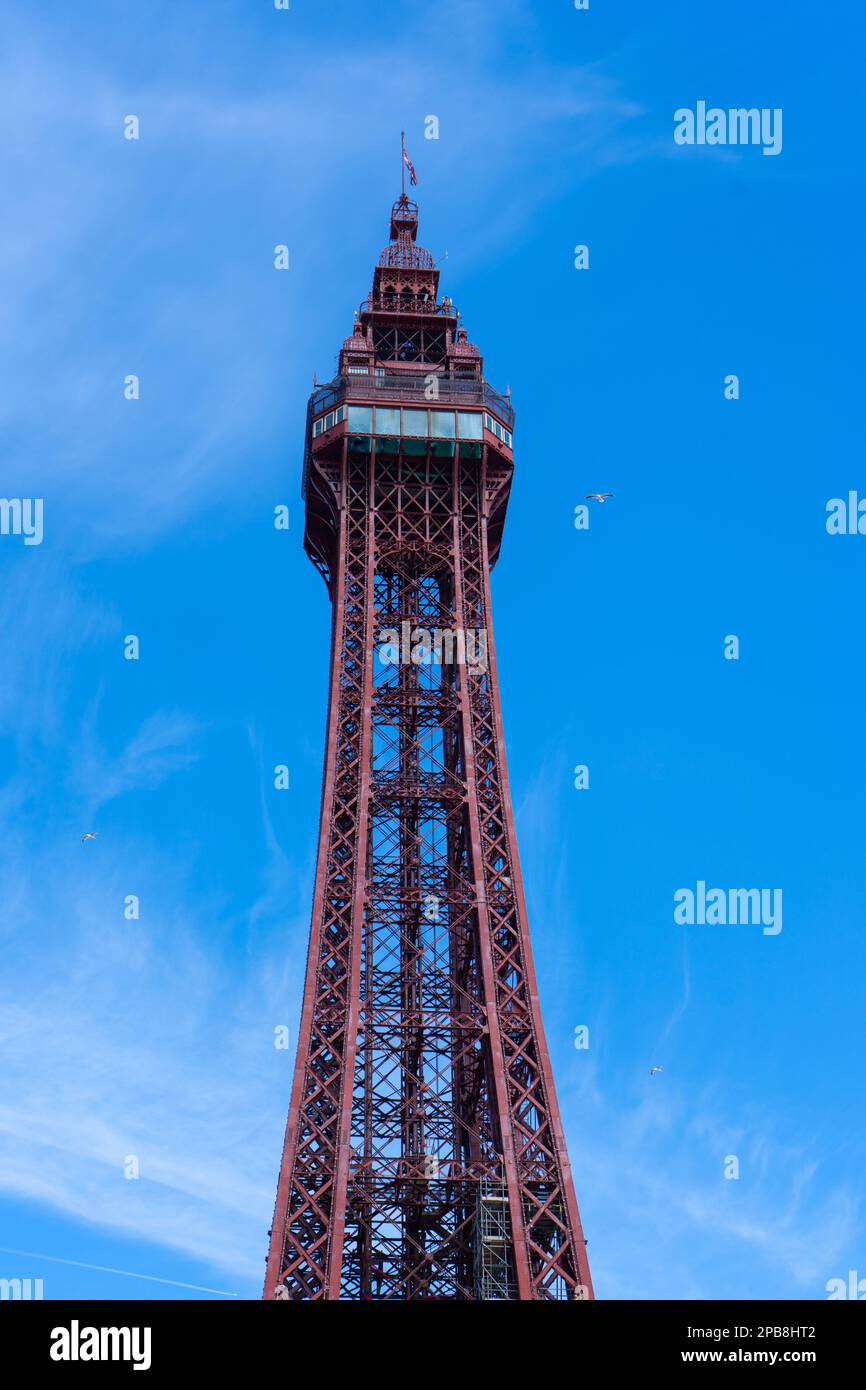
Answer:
[(155, 257)]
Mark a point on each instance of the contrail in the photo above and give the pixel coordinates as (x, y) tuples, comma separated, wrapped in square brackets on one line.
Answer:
[(106, 1269)]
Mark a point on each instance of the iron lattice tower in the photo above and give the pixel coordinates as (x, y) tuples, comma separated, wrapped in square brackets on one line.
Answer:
[(424, 1155)]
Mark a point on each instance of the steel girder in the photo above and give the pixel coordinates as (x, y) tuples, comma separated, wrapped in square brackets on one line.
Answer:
[(423, 1080)]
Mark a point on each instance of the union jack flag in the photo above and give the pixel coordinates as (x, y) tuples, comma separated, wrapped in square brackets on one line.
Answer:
[(411, 167)]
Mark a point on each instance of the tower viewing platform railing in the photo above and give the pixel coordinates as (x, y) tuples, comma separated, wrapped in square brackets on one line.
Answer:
[(414, 386), (392, 303)]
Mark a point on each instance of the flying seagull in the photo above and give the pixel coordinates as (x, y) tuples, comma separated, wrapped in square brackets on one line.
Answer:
[(598, 496), (653, 1070), (91, 835)]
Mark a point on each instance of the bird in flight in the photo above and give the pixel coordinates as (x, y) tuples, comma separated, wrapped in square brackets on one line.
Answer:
[(653, 1070), (598, 496), (91, 835)]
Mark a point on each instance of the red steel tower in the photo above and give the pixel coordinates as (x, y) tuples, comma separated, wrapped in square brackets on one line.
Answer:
[(424, 1155)]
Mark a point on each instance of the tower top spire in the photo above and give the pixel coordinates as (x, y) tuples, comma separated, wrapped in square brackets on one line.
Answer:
[(404, 219), (401, 249)]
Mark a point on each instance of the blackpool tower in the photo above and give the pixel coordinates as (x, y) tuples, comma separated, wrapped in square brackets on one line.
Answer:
[(424, 1155)]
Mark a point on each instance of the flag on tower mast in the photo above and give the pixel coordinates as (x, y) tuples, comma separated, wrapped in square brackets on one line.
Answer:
[(408, 163)]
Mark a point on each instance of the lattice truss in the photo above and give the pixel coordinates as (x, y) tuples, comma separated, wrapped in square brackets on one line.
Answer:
[(422, 1083), (402, 343)]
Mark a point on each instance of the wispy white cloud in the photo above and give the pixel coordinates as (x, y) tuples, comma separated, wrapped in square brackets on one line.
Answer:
[(673, 1224), (648, 1155), (157, 273), (151, 1037), (138, 1038), (47, 620), (161, 746), (680, 1008)]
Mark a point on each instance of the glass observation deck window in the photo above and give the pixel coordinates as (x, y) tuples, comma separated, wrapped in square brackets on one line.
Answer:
[(499, 430), (327, 422), (387, 420), (469, 424), (395, 422), (442, 424), (361, 419), (415, 423)]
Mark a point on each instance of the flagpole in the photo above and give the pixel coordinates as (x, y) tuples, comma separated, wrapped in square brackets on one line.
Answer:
[(403, 159)]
